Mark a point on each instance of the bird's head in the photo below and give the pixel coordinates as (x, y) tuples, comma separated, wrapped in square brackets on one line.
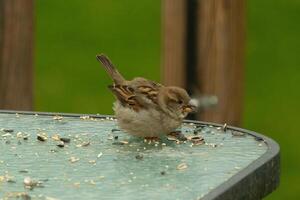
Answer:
[(176, 102)]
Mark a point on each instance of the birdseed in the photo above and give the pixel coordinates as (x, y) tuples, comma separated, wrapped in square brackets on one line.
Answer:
[(41, 137), (139, 156), (65, 140), (182, 166)]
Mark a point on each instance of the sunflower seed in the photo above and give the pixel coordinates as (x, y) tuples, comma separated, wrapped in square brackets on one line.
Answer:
[(65, 140), (61, 144), (139, 156), (224, 127), (182, 166), (41, 138), (8, 130)]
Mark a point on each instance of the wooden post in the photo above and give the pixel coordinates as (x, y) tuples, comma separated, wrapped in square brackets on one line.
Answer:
[(174, 42), (221, 31), (16, 54), (204, 50)]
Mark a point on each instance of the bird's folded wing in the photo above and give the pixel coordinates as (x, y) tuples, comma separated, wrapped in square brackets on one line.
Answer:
[(136, 98)]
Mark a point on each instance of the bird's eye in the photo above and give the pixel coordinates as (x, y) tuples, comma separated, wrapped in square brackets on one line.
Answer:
[(180, 101)]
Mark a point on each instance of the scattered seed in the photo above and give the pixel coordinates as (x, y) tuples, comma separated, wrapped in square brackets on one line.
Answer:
[(65, 140), (24, 171), (42, 137), (11, 181), (92, 182), (259, 139), (178, 135), (182, 166), (171, 138), (73, 159), (30, 183), (92, 161), (53, 151), (77, 184), (55, 137), (6, 135), (61, 144), (57, 117), (110, 137), (224, 127), (163, 173), (8, 130), (7, 142), (196, 140), (116, 137), (197, 130), (84, 144), (237, 133), (84, 117), (115, 129), (139, 156), (17, 195), (99, 155), (120, 143)]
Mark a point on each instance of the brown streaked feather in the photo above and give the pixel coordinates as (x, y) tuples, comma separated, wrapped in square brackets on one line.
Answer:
[(110, 69), (126, 96)]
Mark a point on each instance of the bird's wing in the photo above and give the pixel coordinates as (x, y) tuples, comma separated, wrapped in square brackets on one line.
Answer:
[(136, 96)]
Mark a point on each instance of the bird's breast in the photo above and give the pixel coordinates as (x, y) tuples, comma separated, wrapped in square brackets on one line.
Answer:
[(145, 123)]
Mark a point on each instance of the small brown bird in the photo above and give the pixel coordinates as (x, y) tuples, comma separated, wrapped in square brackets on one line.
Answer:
[(145, 108)]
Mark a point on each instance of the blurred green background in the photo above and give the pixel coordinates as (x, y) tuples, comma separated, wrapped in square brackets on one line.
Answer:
[(68, 78)]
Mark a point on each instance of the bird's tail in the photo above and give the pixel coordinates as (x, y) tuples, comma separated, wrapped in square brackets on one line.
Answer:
[(110, 69)]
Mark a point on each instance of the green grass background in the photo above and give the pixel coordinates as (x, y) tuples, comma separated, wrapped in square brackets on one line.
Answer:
[(68, 78)]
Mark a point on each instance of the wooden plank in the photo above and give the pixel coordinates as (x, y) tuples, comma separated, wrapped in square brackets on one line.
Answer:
[(221, 39), (16, 54), (174, 42)]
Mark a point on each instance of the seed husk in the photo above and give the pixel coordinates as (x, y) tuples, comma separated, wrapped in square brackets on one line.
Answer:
[(139, 156), (73, 159), (84, 144), (41, 137), (57, 117), (65, 140), (120, 143), (6, 135), (182, 166), (55, 137), (29, 183), (8, 130), (259, 139), (92, 161), (61, 144), (99, 155), (177, 135), (17, 195), (196, 140), (237, 133), (224, 127)]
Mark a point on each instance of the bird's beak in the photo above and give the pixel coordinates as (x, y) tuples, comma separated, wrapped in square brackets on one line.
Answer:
[(191, 107)]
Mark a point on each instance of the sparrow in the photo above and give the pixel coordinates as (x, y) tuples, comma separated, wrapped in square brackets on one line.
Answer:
[(145, 108)]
